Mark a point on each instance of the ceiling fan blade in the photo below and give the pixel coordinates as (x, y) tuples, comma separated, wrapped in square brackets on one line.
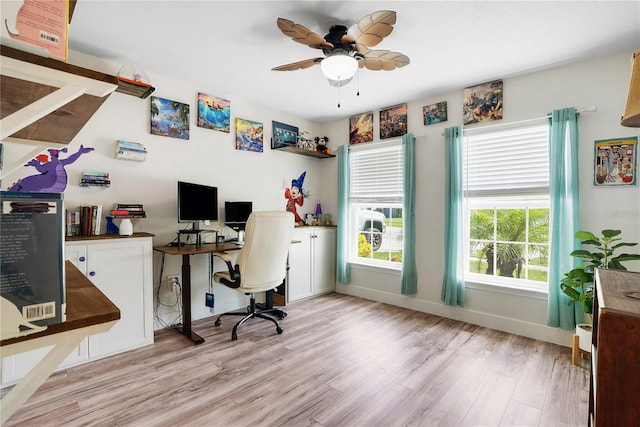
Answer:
[(300, 65), (383, 60), (301, 34), (371, 29)]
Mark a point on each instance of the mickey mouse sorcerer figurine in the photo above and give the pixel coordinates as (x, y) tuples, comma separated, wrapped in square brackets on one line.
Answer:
[(294, 196)]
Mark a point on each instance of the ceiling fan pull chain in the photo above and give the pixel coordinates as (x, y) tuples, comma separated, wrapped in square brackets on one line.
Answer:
[(358, 83), (338, 97)]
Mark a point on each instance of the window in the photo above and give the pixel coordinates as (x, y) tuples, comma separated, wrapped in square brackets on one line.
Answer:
[(506, 191), (375, 206)]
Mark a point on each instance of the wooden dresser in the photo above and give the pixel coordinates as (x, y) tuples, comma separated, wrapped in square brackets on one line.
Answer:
[(614, 395)]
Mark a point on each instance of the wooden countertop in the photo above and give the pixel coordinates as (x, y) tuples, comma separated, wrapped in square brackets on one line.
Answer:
[(86, 306)]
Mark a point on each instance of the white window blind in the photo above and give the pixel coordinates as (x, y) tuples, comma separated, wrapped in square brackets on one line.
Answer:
[(507, 162), (376, 174)]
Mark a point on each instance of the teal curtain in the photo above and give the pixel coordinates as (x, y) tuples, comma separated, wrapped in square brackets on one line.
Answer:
[(409, 275), (453, 282), (563, 194), (343, 268)]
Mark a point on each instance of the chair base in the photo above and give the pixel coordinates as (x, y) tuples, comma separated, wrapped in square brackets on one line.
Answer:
[(251, 313)]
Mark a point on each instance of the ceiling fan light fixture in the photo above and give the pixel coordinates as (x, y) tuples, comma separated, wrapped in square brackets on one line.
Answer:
[(339, 67)]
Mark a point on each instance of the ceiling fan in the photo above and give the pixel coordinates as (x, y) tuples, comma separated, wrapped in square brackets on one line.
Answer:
[(346, 49)]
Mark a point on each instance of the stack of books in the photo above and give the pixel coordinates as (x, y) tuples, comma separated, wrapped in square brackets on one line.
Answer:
[(128, 210), (87, 221), (131, 151), (95, 179)]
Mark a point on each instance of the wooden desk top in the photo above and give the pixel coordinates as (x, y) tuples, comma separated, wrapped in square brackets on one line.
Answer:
[(86, 306), (204, 248)]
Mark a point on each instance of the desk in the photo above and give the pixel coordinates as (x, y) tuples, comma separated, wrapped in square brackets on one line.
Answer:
[(89, 312), (186, 252)]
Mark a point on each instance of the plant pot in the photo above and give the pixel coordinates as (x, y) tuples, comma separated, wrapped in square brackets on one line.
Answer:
[(583, 330)]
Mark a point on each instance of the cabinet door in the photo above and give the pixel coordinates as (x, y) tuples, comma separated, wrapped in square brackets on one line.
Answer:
[(299, 275), (121, 269), (323, 260)]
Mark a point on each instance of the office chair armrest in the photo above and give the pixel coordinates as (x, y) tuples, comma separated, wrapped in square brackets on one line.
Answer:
[(234, 271)]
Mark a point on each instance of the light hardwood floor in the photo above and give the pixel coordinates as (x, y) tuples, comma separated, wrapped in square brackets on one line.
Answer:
[(341, 361)]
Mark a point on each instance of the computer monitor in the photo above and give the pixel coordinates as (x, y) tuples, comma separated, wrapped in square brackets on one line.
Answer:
[(236, 214), (197, 203)]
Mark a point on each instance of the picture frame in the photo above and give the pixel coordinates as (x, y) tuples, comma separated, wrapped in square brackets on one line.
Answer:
[(361, 128), (615, 162), (249, 135), (284, 135), (483, 102), (169, 118), (214, 113), (434, 113), (393, 121)]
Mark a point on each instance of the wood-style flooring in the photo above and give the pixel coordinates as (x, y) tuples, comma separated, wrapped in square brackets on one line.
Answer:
[(341, 361)]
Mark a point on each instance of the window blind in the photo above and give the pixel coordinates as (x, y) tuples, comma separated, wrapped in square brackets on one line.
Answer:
[(508, 162), (376, 174)]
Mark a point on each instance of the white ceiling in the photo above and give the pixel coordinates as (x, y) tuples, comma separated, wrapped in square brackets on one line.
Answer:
[(227, 48)]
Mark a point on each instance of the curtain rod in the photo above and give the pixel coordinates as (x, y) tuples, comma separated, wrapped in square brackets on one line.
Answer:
[(590, 109)]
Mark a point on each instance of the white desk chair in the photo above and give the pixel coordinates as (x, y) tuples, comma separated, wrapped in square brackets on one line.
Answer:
[(261, 264)]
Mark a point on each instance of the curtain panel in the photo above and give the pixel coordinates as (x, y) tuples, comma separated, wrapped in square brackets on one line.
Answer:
[(563, 195), (453, 282)]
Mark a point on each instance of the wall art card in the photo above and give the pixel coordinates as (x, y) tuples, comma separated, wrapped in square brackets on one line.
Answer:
[(393, 121), (214, 113), (249, 135), (284, 135), (361, 128), (482, 102), (435, 113), (169, 118), (616, 162)]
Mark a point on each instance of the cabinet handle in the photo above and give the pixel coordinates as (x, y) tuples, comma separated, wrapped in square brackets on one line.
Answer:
[(81, 259), (92, 273)]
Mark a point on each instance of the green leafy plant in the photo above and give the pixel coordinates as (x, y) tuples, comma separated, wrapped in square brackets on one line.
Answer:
[(578, 283)]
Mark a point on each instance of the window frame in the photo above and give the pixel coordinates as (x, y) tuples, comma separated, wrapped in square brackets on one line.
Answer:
[(513, 198), (355, 203)]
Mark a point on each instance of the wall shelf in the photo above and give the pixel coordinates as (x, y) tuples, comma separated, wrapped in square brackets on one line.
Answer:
[(302, 151)]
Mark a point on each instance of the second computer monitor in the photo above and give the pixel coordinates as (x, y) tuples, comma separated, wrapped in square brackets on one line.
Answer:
[(236, 214)]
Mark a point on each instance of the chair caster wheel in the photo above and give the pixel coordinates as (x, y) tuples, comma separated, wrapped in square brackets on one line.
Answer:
[(279, 330), (282, 316), (217, 322)]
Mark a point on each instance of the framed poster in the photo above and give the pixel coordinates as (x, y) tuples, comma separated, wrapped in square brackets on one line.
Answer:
[(169, 118), (249, 135), (361, 128), (393, 121), (214, 113), (615, 162), (482, 102), (434, 113), (283, 135)]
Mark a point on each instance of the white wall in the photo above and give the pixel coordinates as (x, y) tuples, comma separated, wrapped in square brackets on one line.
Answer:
[(208, 157), (603, 82)]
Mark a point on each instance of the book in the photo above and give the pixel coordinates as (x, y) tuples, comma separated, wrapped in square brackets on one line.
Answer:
[(128, 206), (32, 268)]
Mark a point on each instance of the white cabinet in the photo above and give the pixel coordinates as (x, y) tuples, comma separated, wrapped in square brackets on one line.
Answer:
[(121, 267), (122, 270), (311, 262)]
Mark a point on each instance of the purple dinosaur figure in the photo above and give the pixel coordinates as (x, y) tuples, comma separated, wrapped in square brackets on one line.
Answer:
[(53, 176)]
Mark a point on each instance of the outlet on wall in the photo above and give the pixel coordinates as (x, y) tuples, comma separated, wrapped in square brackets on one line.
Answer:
[(174, 282)]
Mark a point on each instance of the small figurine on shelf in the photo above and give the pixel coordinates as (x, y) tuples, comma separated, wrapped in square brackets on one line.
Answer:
[(321, 145), (111, 227)]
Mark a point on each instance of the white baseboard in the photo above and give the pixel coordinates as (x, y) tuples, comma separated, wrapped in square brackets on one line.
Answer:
[(500, 323)]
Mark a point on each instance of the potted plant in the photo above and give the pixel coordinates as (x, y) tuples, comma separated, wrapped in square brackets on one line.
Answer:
[(578, 283)]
